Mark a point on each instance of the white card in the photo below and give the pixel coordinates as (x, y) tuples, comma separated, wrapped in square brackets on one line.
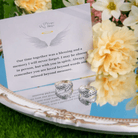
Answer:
[(47, 47)]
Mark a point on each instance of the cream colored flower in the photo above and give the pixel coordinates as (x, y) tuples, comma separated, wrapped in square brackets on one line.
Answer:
[(132, 20), (114, 90), (34, 5), (109, 8), (133, 103), (127, 5), (114, 50), (73, 2)]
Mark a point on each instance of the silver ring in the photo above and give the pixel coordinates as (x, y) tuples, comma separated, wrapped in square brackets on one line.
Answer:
[(87, 94), (64, 89)]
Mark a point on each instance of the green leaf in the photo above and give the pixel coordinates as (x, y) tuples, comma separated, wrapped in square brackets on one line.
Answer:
[(9, 9), (1, 9), (56, 4)]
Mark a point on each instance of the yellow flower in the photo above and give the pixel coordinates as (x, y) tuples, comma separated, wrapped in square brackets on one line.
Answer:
[(34, 5), (113, 90), (114, 50)]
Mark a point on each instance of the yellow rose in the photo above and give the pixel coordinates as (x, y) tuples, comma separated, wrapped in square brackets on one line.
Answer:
[(34, 5), (114, 50), (114, 90)]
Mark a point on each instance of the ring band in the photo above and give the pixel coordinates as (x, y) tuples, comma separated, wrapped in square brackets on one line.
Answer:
[(64, 89)]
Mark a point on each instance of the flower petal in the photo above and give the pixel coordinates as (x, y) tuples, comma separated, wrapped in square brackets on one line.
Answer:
[(97, 63), (131, 14), (113, 74), (107, 63), (67, 4), (96, 26), (130, 21), (81, 1), (72, 1), (134, 10), (136, 30), (106, 14), (130, 105), (119, 3), (116, 13), (99, 6), (126, 7)]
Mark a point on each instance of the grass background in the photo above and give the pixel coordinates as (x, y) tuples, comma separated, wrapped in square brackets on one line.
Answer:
[(16, 125)]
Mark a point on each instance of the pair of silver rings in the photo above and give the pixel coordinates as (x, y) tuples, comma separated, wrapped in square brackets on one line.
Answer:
[(87, 94)]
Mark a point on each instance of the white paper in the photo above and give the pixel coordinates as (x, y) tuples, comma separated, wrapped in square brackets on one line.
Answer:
[(46, 96), (43, 48)]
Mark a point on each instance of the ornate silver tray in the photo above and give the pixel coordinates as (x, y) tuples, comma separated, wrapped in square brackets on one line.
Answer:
[(65, 118)]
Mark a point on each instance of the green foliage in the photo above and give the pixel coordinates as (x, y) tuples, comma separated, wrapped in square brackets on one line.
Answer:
[(16, 125), (10, 9), (56, 4), (1, 10)]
